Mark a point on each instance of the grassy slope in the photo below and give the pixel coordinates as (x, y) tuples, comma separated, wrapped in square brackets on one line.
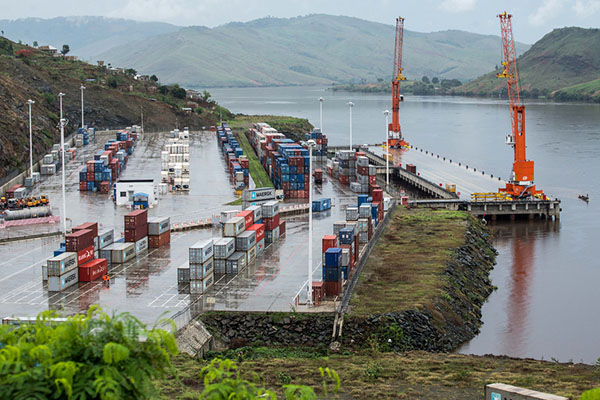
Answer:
[(258, 173), (588, 91), (562, 58), (292, 127), (413, 375), (316, 49), (405, 270)]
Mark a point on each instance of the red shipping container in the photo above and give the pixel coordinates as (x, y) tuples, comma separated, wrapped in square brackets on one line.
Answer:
[(83, 186), (281, 228), (123, 145), (93, 226), (344, 179), (333, 289), (359, 154), (328, 242), (89, 176), (109, 154), (271, 223), (129, 143), (136, 218), (135, 234), (93, 270), (318, 292), (248, 217), (260, 230), (372, 179), (79, 240), (377, 195), (360, 170), (85, 255), (156, 241)]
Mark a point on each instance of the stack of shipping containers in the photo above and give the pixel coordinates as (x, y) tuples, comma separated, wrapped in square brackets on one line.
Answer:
[(159, 232), (201, 266), (175, 162), (100, 173), (286, 161), (136, 230), (52, 161), (237, 163), (352, 168)]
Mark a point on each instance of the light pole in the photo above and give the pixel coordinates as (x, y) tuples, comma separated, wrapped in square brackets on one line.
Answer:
[(350, 104), (82, 120), (62, 151), (311, 144), (142, 107), (321, 113), (30, 103), (387, 151)]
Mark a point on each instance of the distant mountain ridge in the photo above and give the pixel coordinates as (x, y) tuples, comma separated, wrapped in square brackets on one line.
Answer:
[(313, 49), (564, 64), (87, 36)]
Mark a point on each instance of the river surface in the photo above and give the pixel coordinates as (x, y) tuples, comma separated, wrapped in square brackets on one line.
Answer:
[(548, 273)]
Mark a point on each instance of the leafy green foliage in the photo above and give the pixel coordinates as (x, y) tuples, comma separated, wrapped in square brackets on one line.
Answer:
[(222, 380), (65, 49), (373, 372), (593, 394), (6, 47), (88, 357)]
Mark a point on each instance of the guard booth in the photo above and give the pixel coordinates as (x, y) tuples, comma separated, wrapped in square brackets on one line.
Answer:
[(501, 391)]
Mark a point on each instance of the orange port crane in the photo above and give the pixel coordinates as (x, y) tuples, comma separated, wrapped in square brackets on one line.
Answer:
[(521, 183), (395, 139)]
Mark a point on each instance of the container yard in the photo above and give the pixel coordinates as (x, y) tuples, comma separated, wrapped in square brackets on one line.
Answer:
[(175, 163), (259, 257), (235, 162)]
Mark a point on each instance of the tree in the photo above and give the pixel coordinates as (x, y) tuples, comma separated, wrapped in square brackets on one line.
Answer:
[(112, 82), (178, 91), (93, 356), (435, 80), (163, 89), (425, 79), (154, 78), (131, 71), (65, 49), (205, 95), (35, 43), (379, 79)]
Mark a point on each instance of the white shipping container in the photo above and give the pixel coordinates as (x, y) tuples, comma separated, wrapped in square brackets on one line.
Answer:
[(220, 265), (251, 255), (387, 203), (122, 252), (224, 247), (183, 274), (201, 286), (44, 273), (49, 169), (244, 241), (48, 159), (270, 209), (158, 225), (236, 263), (106, 238), (141, 245), (227, 215), (200, 271), (234, 227), (62, 263), (60, 283), (20, 193), (201, 251), (257, 210)]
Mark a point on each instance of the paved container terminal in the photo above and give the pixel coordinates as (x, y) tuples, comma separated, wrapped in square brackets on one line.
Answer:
[(437, 170), (147, 285)]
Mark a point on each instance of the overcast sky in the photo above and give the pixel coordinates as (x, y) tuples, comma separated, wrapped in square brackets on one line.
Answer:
[(532, 18)]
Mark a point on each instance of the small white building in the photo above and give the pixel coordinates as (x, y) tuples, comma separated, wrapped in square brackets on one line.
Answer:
[(126, 188)]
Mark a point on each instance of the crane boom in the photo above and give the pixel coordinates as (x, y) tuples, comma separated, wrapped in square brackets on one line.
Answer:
[(394, 131), (521, 182)]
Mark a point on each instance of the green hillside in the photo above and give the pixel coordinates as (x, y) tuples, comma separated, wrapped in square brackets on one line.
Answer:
[(564, 64), (86, 35), (315, 49)]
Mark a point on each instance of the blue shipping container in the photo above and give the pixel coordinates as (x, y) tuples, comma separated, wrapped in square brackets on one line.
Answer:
[(59, 251), (332, 274), (333, 257), (362, 198), (346, 236), (321, 204)]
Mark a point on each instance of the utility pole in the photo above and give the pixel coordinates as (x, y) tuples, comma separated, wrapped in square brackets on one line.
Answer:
[(311, 144), (82, 119), (30, 103), (387, 151), (142, 107), (321, 113), (351, 104), (62, 151)]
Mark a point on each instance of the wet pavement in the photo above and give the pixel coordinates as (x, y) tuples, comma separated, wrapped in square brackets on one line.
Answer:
[(445, 171), (147, 286)]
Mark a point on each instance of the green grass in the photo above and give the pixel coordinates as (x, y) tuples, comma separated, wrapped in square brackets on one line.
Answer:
[(294, 128), (412, 375), (405, 270), (588, 91), (258, 173), (236, 202)]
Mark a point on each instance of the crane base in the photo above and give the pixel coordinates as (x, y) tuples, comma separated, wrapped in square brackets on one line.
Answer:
[(517, 191), (397, 143)]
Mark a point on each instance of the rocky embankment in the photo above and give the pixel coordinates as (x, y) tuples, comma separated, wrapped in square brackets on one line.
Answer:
[(451, 320)]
